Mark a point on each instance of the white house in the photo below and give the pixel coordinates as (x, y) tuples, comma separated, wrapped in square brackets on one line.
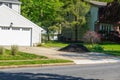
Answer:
[(16, 29), (14, 4)]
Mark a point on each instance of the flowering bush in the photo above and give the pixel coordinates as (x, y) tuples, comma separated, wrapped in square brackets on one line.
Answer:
[(91, 37)]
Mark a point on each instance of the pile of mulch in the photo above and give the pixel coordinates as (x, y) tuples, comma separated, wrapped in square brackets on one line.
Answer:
[(75, 48)]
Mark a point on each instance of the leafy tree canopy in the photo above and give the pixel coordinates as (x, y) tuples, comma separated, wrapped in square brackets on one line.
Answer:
[(49, 13)]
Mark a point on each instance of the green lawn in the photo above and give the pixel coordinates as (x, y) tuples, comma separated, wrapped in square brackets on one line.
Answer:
[(54, 44), (109, 48), (113, 49), (22, 58), (27, 62)]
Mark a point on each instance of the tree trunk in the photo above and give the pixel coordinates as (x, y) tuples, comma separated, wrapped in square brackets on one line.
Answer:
[(76, 30), (92, 42), (76, 33), (48, 36)]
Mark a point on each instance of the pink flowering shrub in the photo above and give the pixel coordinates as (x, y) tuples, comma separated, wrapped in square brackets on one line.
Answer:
[(91, 37)]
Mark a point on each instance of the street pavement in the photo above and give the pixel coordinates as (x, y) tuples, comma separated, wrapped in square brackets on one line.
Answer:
[(109, 71)]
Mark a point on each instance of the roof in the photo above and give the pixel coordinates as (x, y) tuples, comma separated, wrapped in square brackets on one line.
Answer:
[(8, 16), (96, 3), (11, 1)]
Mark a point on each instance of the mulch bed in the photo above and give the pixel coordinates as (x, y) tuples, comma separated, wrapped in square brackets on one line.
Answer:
[(75, 48)]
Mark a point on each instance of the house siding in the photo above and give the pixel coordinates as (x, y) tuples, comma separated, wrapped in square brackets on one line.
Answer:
[(13, 4), (16, 7), (93, 17), (36, 36), (9, 16)]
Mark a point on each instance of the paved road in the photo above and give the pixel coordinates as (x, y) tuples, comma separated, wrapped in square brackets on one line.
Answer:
[(72, 72)]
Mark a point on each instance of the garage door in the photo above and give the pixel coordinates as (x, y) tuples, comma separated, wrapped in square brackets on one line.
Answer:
[(15, 36)]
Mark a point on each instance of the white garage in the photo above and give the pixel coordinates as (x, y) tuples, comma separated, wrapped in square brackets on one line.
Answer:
[(15, 36), (16, 29)]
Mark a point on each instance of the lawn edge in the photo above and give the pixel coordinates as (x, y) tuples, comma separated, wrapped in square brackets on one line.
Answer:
[(37, 65)]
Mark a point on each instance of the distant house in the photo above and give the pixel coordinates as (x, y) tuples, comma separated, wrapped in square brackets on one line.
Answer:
[(95, 7), (16, 29), (105, 19)]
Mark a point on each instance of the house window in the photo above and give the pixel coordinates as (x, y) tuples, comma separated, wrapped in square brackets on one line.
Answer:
[(15, 28), (105, 27), (25, 29), (8, 4), (5, 28), (0, 3)]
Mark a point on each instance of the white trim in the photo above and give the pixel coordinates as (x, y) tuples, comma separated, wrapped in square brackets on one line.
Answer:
[(15, 2)]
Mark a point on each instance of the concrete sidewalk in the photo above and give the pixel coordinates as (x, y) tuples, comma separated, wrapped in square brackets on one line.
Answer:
[(96, 61), (78, 58)]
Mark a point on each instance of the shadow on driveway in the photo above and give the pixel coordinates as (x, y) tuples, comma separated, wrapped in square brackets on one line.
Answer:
[(37, 76), (89, 55)]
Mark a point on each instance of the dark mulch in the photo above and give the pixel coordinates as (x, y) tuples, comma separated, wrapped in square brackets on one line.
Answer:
[(75, 48)]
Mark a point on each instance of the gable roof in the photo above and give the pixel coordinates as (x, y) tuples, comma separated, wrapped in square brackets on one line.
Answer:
[(11, 1), (96, 3), (8, 16)]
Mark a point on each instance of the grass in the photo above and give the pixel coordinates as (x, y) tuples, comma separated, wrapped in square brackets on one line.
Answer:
[(54, 44), (112, 49), (47, 61), (22, 58), (109, 48)]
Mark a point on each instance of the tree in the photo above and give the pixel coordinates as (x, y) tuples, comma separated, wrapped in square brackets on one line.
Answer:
[(42, 12), (74, 13), (47, 13)]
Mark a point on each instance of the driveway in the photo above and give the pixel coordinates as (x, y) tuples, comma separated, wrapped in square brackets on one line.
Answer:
[(78, 58)]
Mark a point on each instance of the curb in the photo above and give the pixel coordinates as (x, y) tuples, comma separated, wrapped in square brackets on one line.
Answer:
[(96, 61), (36, 65)]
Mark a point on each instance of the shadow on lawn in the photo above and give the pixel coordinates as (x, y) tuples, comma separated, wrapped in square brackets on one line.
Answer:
[(38, 76), (112, 52)]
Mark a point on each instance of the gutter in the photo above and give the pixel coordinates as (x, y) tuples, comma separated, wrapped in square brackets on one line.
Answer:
[(11, 2), (96, 3)]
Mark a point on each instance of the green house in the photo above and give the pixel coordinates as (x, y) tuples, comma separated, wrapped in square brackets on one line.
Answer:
[(104, 18)]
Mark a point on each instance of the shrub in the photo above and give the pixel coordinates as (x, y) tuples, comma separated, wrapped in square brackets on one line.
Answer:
[(91, 37), (41, 44), (2, 50), (98, 48), (14, 49)]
